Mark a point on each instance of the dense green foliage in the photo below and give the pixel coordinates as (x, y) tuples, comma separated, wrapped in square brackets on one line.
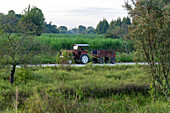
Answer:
[(17, 44), (118, 27), (65, 41), (62, 29), (89, 36), (89, 88), (51, 44), (90, 30), (9, 21), (35, 17), (79, 89), (32, 16), (49, 28), (18, 50), (150, 33), (102, 27), (81, 29), (57, 42)]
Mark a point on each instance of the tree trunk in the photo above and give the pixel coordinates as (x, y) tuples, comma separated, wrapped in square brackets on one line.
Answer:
[(155, 93), (12, 73), (125, 45), (126, 48)]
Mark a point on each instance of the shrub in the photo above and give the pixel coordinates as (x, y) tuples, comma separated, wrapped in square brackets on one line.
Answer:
[(50, 100), (65, 59), (124, 57), (24, 75)]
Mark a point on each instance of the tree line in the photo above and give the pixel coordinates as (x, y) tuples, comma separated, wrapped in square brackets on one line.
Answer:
[(35, 16), (103, 27)]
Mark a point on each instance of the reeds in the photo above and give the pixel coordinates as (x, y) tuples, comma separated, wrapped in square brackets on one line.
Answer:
[(65, 41)]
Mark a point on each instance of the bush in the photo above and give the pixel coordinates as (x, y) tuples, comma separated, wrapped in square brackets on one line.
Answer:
[(65, 59), (124, 57), (50, 100), (23, 76)]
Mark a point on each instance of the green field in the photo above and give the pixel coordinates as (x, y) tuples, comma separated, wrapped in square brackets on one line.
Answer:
[(80, 89), (57, 42), (65, 41)]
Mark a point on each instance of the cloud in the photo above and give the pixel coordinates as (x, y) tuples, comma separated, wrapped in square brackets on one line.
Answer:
[(95, 11), (88, 16)]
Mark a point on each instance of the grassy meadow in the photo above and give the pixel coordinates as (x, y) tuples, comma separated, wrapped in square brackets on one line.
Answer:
[(102, 89)]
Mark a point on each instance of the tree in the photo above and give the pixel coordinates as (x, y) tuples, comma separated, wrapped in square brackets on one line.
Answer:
[(99, 28), (112, 25), (12, 19), (126, 20), (117, 30), (49, 28), (150, 33), (81, 29), (118, 22), (75, 30), (102, 27), (105, 26), (35, 17), (62, 29), (11, 12), (120, 32), (1, 14), (17, 48), (90, 30)]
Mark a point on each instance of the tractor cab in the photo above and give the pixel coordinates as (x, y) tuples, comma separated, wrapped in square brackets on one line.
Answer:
[(81, 47), (80, 52)]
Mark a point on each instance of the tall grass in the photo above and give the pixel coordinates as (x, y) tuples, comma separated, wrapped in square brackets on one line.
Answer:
[(65, 41), (80, 89), (72, 35)]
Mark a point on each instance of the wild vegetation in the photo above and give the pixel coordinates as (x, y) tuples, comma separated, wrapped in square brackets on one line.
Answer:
[(65, 41), (58, 42), (34, 16), (90, 88), (15, 50), (150, 34), (79, 89)]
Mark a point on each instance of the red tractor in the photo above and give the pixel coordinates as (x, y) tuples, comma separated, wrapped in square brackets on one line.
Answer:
[(80, 53)]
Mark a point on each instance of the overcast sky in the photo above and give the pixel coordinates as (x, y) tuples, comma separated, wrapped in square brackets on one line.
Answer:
[(70, 13)]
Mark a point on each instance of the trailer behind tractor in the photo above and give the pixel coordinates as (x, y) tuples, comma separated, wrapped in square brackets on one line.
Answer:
[(101, 56), (80, 54)]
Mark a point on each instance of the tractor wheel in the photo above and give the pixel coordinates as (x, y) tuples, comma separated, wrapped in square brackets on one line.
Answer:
[(84, 58), (112, 60), (101, 60)]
